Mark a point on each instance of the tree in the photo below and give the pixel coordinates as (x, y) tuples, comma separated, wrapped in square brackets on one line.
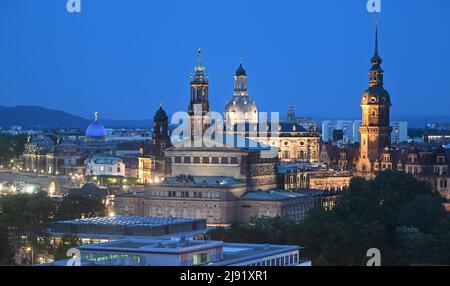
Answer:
[(74, 207), (27, 213), (6, 251), (67, 242), (324, 237), (11, 147), (30, 215)]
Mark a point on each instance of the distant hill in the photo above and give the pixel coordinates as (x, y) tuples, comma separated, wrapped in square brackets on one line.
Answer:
[(34, 117)]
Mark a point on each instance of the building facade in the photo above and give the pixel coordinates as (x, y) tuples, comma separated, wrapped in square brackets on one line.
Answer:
[(151, 166), (105, 166)]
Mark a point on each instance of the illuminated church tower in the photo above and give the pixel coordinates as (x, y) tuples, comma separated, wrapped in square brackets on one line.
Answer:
[(199, 103), (375, 129)]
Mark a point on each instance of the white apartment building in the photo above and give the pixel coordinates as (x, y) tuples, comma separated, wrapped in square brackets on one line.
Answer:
[(399, 131), (105, 166), (350, 129)]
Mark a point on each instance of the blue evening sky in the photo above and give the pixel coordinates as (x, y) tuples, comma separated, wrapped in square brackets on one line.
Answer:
[(123, 57)]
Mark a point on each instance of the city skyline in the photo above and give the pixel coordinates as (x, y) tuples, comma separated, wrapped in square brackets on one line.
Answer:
[(124, 69), (224, 133)]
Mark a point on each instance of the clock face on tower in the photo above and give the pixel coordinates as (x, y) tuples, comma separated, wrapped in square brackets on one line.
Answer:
[(373, 138)]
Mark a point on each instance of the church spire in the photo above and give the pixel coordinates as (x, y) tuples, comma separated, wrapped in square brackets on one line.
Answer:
[(199, 67), (376, 72), (376, 39), (376, 59)]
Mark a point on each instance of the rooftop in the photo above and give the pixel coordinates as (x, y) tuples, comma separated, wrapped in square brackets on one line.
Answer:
[(153, 245), (227, 141), (278, 195), (129, 221), (233, 253), (105, 160), (202, 181), (239, 252), (121, 227)]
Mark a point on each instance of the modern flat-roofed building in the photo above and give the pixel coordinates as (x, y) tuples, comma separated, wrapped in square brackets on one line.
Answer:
[(151, 252), (103, 229)]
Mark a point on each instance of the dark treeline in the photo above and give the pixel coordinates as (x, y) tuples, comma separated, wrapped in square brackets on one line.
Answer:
[(30, 216), (401, 216)]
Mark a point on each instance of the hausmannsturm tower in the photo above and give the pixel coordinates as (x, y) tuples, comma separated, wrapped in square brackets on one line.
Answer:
[(375, 128)]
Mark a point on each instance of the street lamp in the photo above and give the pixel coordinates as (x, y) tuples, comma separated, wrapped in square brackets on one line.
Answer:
[(29, 249)]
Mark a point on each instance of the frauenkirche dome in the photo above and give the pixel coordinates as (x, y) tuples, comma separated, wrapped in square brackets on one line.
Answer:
[(241, 108)]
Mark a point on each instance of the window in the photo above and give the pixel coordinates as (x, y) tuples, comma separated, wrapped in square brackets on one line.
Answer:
[(224, 160), (201, 258), (234, 160), (205, 160), (196, 160), (178, 160), (215, 160), (436, 170), (187, 160)]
